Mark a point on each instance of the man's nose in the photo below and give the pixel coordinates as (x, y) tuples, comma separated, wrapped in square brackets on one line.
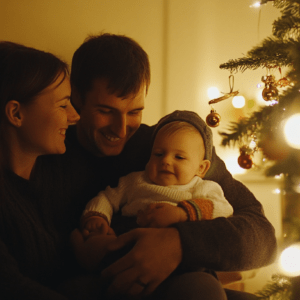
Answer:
[(119, 126)]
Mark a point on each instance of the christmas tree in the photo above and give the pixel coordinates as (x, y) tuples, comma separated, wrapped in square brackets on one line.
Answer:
[(269, 128)]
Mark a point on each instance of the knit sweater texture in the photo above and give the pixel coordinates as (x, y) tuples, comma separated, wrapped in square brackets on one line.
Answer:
[(135, 192), (246, 240), (36, 218)]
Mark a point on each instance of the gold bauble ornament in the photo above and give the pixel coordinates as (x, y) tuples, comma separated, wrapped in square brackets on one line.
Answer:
[(213, 119), (270, 92)]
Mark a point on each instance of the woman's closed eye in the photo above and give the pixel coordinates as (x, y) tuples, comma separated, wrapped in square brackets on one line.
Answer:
[(158, 154)]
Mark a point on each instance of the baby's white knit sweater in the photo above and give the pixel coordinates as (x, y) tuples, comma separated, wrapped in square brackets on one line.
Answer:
[(135, 192)]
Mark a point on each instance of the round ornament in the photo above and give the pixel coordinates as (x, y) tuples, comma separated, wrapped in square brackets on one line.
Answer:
[(270, 92), (245, 160), (213, 119)]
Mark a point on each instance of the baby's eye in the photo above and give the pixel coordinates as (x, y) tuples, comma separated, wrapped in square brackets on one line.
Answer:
[(179, 157)]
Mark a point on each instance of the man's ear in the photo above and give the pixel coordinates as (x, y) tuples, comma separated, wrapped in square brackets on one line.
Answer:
[(76, 99), (203, 168), (13, 113)]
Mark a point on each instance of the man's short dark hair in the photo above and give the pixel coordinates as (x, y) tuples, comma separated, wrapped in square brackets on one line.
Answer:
[(117, 58)]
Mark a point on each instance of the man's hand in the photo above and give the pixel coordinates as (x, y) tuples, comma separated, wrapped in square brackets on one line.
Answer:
[(155, 255), (90, 251), (161, 215)]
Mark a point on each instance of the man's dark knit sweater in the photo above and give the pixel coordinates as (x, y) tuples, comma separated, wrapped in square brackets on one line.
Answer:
[(244, 241)]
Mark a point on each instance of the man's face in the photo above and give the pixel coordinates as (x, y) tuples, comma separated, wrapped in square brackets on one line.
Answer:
[(107, 122)]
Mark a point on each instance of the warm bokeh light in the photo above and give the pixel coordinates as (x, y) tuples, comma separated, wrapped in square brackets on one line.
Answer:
[(289, 261), (213, 92), (233, 166), (292, 131), (256, 4), (238, 101)]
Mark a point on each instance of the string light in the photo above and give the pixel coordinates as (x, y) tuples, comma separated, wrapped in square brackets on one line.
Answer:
[(289, 260), (259, 3), (256, 4), (292, 131), (213, 92), (238, 101)]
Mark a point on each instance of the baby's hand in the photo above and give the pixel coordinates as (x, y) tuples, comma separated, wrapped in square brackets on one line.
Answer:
[(161, 215), (97, 225)]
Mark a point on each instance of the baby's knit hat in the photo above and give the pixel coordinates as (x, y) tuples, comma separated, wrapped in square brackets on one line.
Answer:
[(195, 120)]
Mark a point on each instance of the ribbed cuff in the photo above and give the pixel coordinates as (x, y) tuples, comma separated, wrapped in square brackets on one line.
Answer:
[(91, 215)]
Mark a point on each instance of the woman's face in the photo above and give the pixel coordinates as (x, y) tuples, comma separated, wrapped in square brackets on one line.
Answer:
[(46, 119)]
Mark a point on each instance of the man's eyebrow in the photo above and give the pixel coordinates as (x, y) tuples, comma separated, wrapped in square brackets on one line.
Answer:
[(112, 107), (104, 105)]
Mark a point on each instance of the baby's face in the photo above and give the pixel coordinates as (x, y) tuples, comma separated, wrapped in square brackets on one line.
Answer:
[(176, 158)]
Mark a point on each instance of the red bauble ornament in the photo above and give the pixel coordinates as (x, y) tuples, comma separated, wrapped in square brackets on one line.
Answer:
[(245, 160)]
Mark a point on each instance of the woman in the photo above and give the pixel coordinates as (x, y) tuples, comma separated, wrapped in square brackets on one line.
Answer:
[(35, 209)]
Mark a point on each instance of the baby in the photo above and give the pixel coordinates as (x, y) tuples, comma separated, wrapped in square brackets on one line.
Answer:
[(171, 188)]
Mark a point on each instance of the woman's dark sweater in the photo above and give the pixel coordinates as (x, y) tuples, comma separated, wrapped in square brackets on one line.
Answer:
[(36, 217)]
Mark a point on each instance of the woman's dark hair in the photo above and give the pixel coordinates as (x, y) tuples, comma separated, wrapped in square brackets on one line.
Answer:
[(117, 58), (24, 73)]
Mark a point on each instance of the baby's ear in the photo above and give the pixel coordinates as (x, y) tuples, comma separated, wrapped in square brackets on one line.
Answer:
[(203, 168)]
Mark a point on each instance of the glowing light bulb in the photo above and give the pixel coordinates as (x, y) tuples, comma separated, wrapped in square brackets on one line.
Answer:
[(292, 131), (238, 101), (256, 4), (276, 191), (289, 261), (213, 92)]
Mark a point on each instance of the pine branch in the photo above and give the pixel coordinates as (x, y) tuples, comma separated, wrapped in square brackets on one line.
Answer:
[(246, 127), (280, 288), (244, 63), (288, 27)]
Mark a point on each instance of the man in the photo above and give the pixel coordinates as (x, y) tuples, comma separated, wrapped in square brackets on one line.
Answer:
[(110, 78)]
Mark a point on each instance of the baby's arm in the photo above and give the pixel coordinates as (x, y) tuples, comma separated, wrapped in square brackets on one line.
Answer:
[(90, 243), (208, 203)]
